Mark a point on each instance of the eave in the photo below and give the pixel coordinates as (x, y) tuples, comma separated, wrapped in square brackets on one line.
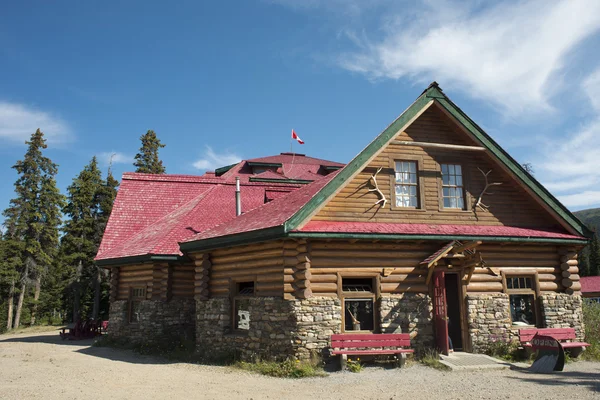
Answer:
[(140, 259)]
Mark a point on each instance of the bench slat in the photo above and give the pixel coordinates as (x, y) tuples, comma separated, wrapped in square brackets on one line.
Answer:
[(369, 343), (370, 336), (374, 352)]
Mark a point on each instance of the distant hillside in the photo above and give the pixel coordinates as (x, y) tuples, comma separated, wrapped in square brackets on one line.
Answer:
[(590, 217)]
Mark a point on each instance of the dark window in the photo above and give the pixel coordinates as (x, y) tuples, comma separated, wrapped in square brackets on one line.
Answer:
[(136, 295), (358, 299), (522, 295), (241, 305)]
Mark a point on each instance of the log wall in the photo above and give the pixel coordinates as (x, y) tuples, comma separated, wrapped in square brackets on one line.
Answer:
[(182, 281), (134, 276), (262, 263), (509, 204)]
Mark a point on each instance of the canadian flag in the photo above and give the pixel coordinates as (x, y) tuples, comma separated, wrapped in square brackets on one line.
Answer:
[(294, 136)]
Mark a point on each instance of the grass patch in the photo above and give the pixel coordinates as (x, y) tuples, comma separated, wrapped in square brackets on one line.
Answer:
[(431, 358), (35, 329), (285, 369), (591, 320)]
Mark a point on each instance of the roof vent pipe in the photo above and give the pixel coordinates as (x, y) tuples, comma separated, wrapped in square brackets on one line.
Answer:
[(238, 197)]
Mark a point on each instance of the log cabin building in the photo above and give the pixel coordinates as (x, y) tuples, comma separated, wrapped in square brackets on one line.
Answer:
[(432, 230)]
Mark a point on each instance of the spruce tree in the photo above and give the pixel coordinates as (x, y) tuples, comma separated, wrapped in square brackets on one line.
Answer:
[(78, 244), (33, 217), (594, 257), (147, 161)]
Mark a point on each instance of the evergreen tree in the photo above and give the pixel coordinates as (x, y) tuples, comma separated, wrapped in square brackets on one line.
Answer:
[(147, 161), (78, 245), (33, 217), (594, 257)]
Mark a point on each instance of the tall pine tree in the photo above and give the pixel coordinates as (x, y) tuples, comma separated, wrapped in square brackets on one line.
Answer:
[(147, 160), (89, 203), (33, 217)]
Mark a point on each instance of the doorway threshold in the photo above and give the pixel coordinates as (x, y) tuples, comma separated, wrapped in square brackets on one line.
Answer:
[(459, 361)]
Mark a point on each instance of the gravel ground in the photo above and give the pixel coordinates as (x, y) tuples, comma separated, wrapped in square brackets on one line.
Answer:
[(42, 366)]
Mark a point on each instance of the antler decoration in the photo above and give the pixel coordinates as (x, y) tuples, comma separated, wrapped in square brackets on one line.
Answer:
[(382, 200), (478, 203)]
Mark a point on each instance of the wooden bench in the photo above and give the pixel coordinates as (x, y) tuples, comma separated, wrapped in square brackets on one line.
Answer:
[(564, 335), (371, 344)]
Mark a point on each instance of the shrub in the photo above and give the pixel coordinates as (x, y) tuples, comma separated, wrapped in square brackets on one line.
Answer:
[(431, 358), (354, 365), (506, 350), (591, 320), (286, 369)]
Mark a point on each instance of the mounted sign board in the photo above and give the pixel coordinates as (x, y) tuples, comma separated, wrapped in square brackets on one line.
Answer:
[(550, 354)]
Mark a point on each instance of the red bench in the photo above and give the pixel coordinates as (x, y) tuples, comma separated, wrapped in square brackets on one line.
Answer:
[(371, 344), (564, 335)]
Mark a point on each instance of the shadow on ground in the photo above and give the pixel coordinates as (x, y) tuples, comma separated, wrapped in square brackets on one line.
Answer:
[(561, 380), (48, 339)]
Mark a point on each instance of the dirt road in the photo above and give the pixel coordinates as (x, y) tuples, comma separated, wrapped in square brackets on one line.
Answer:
[(41, 366)]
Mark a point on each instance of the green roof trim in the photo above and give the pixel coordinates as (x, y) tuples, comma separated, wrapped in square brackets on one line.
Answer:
[(239, 239), (331, 167), (285, 180), (222, 170), (511, 163), (145, 258), (388, 236), (357, 163), (434, 93)]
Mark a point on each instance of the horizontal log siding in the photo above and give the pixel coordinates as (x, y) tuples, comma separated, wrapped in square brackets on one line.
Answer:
[(134, 275), (262, 263), (182, 281), (553, 265), (509, 205)]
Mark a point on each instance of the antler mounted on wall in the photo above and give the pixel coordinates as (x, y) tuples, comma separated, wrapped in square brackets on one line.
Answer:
[(382, 200), (479, 203)]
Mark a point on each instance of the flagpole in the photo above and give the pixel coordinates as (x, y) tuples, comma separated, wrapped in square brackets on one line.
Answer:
[(291, 143)]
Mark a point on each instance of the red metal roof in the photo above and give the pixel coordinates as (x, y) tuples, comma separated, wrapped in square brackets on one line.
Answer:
[(590, 284), (269, 215), (431, 229)]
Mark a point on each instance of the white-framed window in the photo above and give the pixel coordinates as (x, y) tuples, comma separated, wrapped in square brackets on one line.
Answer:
[(244, 291), (406, 184), (453, 191)]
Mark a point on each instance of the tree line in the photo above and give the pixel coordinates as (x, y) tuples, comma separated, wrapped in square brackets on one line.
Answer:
[(49, 239)]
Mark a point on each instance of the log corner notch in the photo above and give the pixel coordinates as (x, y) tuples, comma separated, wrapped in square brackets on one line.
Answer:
[(569, 270), (463, 254), (202, 276), (297, 270)]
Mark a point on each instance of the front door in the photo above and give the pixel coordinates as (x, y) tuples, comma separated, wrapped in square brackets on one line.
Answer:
[(453, 305), (439, 312)]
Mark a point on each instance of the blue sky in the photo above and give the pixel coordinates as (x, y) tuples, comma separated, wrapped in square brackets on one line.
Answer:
[(228, 80)]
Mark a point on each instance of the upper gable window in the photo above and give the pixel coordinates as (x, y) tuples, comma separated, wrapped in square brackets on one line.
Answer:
[(406, 184), (452, 186)]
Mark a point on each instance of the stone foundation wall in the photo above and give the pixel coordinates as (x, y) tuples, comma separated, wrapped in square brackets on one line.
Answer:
[(488, 316), (272, 321), (317, 319), (560, 310), (408, 313), (160, 321)]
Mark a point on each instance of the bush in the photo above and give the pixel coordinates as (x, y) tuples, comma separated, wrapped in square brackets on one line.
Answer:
[(431, 358), (286, 369), (505, 350), (354, 365), (591, 320)]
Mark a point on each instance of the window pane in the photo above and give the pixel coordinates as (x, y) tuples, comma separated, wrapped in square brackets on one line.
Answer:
[(458, 180), (451, 169), (413, 191), (358, 314), (413, 179), (458, 170), (460, 203), (446, 202), (413, 202), (242, 314), (522, 309), (509, 283), (452, 180), (413, 167), (445, 180), (445, 169), (446, 192), (453, 202)]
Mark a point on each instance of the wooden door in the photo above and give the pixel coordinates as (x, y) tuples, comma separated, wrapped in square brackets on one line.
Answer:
[(439, 312)]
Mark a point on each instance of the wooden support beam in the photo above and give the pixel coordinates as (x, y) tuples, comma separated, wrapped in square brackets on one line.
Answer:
[(466, 246), (439, 145)]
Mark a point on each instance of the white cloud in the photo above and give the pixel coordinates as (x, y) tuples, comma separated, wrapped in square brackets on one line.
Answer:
[(588, 198), (569, 164), (18, 122), (114, 157), (510, 54), (212, 160)]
